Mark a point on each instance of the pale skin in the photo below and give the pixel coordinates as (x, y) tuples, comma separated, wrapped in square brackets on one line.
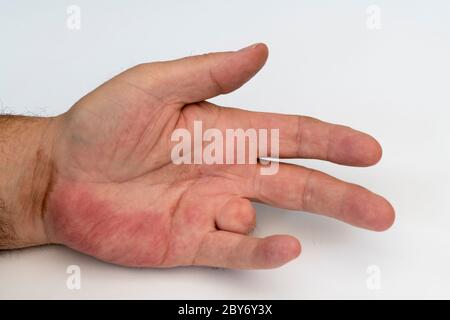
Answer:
[(99, 178)]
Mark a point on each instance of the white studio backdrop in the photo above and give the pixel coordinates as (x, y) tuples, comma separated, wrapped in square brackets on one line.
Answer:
[(380, 66)]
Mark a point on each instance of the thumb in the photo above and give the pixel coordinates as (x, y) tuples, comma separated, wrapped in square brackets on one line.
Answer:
[(201, 77)]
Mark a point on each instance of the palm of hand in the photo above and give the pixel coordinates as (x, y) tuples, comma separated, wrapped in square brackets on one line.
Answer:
[(117, 196)]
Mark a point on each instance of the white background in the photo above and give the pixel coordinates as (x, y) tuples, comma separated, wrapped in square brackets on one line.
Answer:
[(324, 62)]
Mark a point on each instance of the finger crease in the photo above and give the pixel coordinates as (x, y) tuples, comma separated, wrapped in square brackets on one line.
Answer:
[(299, 138), (307, 193), (216, 83)]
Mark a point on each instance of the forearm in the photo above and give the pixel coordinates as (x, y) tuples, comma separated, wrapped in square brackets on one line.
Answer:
[(25, 176)]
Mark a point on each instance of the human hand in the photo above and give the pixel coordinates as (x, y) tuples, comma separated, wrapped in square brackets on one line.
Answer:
[(116, 195)]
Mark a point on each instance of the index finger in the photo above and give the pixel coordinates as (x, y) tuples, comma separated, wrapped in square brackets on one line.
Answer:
[(309, 138)]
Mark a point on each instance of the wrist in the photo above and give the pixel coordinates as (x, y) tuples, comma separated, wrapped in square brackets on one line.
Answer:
[(26, 145)]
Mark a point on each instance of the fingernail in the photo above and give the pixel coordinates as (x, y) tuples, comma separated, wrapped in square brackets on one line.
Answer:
[(252, 46)]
